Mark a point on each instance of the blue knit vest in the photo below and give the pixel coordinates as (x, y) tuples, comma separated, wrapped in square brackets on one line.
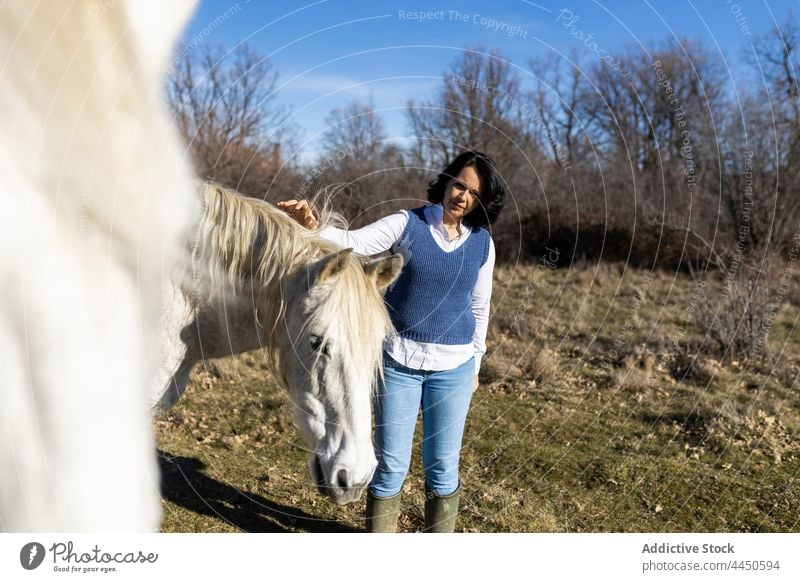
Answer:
[(431, 300)]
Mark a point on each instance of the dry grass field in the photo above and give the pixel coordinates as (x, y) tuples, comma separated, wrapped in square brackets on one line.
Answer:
[(602, 408)]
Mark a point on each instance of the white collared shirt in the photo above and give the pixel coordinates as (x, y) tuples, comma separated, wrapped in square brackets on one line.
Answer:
[(379, 237)]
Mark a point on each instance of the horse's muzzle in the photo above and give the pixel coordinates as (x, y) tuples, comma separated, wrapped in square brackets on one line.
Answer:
[(340, 486)]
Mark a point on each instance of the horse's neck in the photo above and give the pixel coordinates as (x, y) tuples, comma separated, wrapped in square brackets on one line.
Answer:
[(196, 326), (227, 325), (236, 318)]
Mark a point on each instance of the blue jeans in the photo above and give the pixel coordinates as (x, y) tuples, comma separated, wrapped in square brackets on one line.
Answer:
[(445, 397)]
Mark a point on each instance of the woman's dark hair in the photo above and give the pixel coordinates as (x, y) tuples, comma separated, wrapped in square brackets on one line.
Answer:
[(490, 201)]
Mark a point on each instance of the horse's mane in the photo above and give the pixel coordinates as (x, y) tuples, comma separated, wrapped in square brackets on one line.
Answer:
[(249, 239), (254, 245)]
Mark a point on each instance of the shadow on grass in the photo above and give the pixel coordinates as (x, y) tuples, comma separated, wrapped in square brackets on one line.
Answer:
[(184, 483)]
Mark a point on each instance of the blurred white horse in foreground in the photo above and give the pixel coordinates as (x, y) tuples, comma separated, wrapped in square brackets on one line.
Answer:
[(97, 199)]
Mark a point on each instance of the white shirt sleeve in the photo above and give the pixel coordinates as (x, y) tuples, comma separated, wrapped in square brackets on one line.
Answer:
[(371, 239), (481, 300)]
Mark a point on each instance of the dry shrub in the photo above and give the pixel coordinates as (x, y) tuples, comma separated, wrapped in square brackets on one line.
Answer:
[(543, 367), (489, 373), (511, 324), (609, 239), (690, 368), (628, 378), (738, 317), (640, 358)]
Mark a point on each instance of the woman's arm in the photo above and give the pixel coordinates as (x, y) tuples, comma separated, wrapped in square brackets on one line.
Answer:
[(368, 240), (371, 239), (481, 300)]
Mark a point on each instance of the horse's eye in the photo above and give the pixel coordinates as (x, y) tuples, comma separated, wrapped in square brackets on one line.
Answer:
[(317, 342)]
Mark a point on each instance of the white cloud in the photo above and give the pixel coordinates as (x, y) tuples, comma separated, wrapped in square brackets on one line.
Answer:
[(390, 89)]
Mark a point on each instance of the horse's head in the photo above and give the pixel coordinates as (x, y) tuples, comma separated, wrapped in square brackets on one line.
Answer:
[(329, 356)]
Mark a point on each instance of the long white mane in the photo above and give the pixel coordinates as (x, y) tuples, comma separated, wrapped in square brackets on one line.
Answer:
[(96, 199), (255, 245)]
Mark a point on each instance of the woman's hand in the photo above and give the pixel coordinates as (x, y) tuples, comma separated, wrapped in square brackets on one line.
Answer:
[(300, 210)]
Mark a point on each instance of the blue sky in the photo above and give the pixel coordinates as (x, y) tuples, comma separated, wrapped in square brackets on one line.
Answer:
[(330, 52)]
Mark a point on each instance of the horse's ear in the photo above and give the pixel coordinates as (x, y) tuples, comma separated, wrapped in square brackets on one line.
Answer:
[(384, 271), (331, 265)]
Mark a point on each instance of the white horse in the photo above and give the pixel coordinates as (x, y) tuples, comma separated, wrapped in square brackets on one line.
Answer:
[(262, 281), (83, 253)]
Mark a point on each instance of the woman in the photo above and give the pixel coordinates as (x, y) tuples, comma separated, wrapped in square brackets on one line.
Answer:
[(440, 308)]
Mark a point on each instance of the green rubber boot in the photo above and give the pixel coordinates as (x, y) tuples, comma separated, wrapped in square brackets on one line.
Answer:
[(382, 513), (441, 511)]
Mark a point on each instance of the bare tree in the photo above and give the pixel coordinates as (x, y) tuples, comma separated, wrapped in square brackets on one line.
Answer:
[(656, 130), (556, 99), (356, 164), (356, 131), (776, 60), (770, 128), (224, 105), (478, 106)]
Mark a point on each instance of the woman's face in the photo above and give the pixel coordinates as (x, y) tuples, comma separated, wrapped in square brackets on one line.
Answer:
[(462, 193)]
